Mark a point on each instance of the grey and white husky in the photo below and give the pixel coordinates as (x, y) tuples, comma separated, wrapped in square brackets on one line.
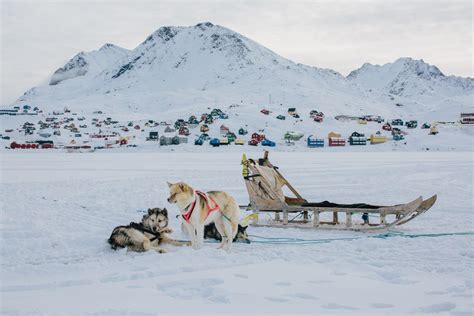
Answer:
[(148, 235)]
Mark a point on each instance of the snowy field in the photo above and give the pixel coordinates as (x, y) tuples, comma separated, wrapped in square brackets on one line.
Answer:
[(58, 210)]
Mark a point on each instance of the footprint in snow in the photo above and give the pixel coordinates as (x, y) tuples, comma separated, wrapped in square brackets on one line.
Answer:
[(242, 276), (304, 296), (435, 292), (283, 283), (456, 289), (188, 269), (393, 277), (139, 268), (276, 299), (320, 281), (437, 308), (339, 273), (191, 289), (337, 306), (219, 299), (381, 305), (71, 283)]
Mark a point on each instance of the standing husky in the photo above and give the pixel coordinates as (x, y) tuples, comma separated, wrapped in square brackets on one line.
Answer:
[(199, 209), (147, 235)]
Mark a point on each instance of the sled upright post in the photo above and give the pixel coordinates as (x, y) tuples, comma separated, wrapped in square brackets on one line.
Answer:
[(287, 183), (265, 183)]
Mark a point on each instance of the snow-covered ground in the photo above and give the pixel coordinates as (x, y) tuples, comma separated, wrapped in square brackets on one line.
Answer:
[(59, 209)]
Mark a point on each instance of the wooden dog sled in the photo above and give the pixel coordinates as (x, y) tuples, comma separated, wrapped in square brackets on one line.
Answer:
[(265, 188)]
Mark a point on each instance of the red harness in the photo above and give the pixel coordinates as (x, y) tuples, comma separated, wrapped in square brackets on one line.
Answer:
[(208, 199)]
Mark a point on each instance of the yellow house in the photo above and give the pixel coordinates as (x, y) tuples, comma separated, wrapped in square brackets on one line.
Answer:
[(377, 139)]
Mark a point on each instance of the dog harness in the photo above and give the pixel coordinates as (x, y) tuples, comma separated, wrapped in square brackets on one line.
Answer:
[(143, 229), (208, 199)]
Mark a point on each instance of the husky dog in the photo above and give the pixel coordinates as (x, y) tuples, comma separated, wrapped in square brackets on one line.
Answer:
[(211, 232), (147, 235), (199, 209)]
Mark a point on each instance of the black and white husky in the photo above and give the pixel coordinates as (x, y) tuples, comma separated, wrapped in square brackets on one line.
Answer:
[(147, 235)]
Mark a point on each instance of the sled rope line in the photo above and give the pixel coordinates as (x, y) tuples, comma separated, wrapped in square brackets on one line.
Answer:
[(226, 217), (299, 241)]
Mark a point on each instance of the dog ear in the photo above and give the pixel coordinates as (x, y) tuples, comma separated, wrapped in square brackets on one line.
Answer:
[(169, 184), (181, 186), (165, 212), (150, 211)]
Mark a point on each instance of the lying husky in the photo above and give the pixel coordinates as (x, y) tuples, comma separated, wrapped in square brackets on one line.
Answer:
[(199, 209), (211, 232), (147, 235)]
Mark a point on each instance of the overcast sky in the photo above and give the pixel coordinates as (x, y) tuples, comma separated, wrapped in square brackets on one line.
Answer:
[(37, 37)]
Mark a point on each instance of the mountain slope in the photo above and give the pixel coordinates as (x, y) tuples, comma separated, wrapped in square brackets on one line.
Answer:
[(89, 63)]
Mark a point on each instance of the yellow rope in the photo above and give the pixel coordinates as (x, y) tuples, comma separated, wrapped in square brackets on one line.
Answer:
[(245, 221)]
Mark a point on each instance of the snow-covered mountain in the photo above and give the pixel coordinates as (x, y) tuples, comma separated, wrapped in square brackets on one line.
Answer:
[(409, 78), (90, 63), (177, 69), (415, 84)]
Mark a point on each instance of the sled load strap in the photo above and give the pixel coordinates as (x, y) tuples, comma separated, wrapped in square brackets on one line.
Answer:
[(330, 204)]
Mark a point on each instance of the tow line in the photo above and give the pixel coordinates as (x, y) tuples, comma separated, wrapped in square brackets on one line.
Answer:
[(389, 234)]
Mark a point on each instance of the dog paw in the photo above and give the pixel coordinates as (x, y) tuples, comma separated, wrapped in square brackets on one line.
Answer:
[(166, 230)]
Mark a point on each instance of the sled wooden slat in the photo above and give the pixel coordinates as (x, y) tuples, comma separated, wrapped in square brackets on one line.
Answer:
[(296, 209)]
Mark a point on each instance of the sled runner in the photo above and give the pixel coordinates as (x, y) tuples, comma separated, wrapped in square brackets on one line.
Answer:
[(265, 185)]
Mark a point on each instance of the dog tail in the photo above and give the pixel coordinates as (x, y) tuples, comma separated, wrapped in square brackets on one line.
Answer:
[(118, 239)]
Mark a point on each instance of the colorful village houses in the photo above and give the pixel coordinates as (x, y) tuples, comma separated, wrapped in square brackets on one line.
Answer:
[(335, 139)]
